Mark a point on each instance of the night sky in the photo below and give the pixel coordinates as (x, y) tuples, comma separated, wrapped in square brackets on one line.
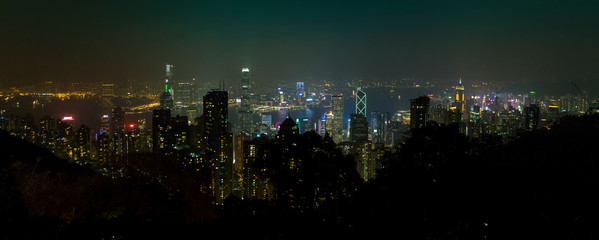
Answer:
[(113, 41)]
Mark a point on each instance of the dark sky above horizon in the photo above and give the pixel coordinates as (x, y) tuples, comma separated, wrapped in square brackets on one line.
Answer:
[(501, 41)]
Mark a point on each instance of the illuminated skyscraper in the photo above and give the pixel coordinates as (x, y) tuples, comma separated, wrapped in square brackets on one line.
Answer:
[(358, 128), (337, 118), (105, 124), (419, 112), (82, 146), (117, 121), (322, 125), (245, 112), (161, 131), (300, 91), (166, 98), (380, 127), (219, 141), (459, 96), (169, 79), (117, 129), (185, 94), (360, 102), (254, 186), (186, 99), (180, 132), (531, 117)]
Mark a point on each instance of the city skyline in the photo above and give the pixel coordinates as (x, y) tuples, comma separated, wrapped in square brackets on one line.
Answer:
[(299, 120), (533, 42)]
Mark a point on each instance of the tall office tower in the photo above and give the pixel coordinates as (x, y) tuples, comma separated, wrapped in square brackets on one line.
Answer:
[(438, 113), (300, 91), (453, 116), (459, 96), (254, 184), (531, 117), (239, 163), (161, 131), (185, 94), (322, 125), (219, 141), (474, 127), (105, 124), (62, 139), (360, 102), (117, 132), (245, 112), (167, 97), (419, 112), (337, 118), (181, 132), (47, 132), (380, 127), (117, 121), (169, 79), (358, 128), (249, 176), (82, 146)]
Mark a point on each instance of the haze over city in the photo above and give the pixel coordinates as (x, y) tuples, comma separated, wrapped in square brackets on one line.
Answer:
[(506, 42), (299, 119)]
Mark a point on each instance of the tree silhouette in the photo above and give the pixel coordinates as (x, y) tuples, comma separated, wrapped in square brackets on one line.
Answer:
[(307, 171)]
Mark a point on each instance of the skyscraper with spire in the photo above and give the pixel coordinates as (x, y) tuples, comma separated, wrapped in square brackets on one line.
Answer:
[(169, 79), (166, 98), (245, 111), (459, 96)]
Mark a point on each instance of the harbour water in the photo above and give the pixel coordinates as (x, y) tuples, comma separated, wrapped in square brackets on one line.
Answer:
[(88, 111)]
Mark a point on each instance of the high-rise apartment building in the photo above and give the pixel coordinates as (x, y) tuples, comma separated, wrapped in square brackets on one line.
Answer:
[(419, 112), (531, 117), (336, 122), (219, 141), (161, 131), (117, 120)]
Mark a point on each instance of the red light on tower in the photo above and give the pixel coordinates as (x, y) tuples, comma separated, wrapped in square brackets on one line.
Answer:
[(67, 118), (132, 125)]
